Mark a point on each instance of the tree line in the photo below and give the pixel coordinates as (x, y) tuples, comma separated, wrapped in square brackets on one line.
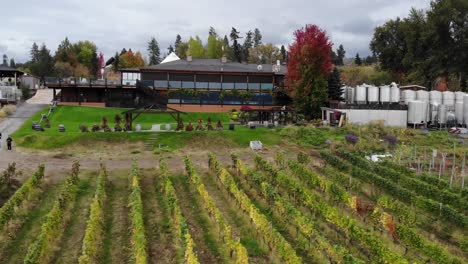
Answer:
[(251, 50), (427, 47)]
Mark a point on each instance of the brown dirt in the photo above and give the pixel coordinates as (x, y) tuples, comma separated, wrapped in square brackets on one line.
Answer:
[(159, 239)]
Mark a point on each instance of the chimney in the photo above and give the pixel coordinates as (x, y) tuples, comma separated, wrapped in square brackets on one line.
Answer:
[(189, 58)]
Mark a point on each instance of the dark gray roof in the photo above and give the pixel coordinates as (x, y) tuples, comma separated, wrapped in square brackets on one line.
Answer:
[(8, 69), (215, 65)]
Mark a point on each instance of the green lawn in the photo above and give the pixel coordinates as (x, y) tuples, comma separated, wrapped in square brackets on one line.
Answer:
[(73, 116)]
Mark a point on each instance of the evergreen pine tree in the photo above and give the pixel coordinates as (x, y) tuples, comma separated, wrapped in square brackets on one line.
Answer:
[(357, 60), (341, 55), (154, 52), (284, 54), (177, 43), (212, 32), (334, 85), (116, 63), (170, 49), (12, 63), (5, 60), (63, 51), (124, 50), (257, 39), (248, 43), (34, 52), (334, 57), (236, 47)]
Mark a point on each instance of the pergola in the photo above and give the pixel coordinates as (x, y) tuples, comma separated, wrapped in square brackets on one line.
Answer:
[(132, 114), (8, 72), (262, 115)]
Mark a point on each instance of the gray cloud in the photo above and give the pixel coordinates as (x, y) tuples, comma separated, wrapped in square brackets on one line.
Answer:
[(115, 24)]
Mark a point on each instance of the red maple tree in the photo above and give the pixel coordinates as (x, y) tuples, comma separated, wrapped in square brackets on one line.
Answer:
[(311, 49)]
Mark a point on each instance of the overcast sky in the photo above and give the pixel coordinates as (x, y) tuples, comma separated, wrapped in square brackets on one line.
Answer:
[(115, 24)]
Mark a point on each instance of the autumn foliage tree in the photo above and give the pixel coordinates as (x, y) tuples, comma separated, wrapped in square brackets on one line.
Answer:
[(131, 60), (309, 66)]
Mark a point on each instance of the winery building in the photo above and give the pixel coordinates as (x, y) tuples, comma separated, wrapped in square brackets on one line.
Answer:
[(191, 85)]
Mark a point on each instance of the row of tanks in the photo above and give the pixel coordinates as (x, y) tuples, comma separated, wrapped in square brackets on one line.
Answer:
[(369, 94), (434, 107)]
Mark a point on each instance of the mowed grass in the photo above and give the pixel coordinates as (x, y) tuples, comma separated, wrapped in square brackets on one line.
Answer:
[(73, 116)]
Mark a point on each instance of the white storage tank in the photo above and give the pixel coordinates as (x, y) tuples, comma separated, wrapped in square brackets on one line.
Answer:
[(417, 112), (465, 109), (385, 94), (442, 114), (433, 110), (422, 95), (394, 94), (435, 97), (459, 112), (361, 94), (448, 98), (349, 95), (459, 97), (407, 96), (372, 94)]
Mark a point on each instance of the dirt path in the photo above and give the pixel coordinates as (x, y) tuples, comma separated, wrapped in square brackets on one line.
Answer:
[(158, 234), (206, 246), (117, 242), (72, 239)]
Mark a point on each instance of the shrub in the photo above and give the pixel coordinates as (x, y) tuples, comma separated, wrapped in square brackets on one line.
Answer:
[(117, 128), (351, 138), (9, 109), (117, 119), (84, 128), (95, 128), (391, 140), (303, 158)]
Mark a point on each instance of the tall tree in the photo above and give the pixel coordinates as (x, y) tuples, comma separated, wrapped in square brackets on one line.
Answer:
[(340, 53), (94, 70), (212, 32), (65, 52), (214, 47), (170, 49), (308, 68), (101, 64), (12, 63), (131, 60), (44, 65), (116, 64), (154, 52), (269, 53), (196, 48), (34, 52), (284, 54), (236, 47), (5, 60), (388, 43), (335, 91), (177, 43), (257, 39), (248, 43), (334, 57), (358, 60), (182, 49)]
